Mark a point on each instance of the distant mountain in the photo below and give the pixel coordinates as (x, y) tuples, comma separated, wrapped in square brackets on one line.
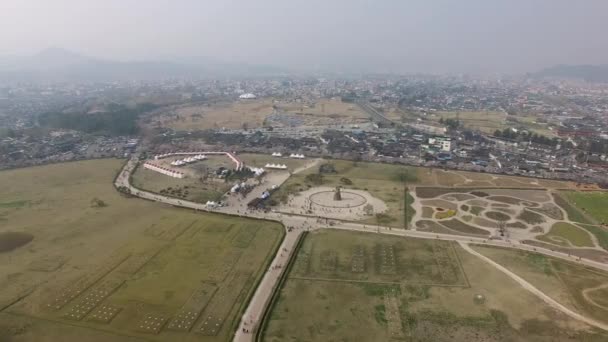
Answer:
[(56, 64), (591, 73)]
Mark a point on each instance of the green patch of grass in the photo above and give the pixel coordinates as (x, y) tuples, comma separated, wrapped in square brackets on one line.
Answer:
[(531, 217), (601, 234), (380, 314), (497, 216), (462, 227), (409, 210), (592, 203), (576, 236), (14, 204), (475, 210), (574, 214)]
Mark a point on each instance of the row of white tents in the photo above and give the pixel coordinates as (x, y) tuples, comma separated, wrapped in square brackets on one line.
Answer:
[(232, 156), (163, 170), (293, 155), (188, 160), (276, 166)]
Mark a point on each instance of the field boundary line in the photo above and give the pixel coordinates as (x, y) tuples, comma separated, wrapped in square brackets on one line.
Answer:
[(353, 281)]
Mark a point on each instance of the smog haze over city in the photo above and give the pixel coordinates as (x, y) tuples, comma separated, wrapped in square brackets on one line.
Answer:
[(473, 36), (248, 171)]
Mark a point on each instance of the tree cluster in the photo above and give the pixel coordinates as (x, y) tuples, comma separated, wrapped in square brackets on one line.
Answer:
[(450, 123), (119, 120), (508, 133)]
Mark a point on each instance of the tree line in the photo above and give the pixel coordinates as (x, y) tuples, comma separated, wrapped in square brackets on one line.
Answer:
[(508, 133)]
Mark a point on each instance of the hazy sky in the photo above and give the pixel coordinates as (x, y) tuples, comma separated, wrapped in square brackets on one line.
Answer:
[(380, 35)]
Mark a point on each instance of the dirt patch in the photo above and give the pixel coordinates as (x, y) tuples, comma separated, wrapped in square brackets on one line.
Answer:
[(477, 203), (12, 240), (505, 210), (480, 221), (531, 217), (551, 210), (506, 199), (480, 193), (497, 216), (518, 225), (423, 192), (440, 204), (462, 227), (457, 197), (427, 212), (537, 229), (434, 227), (526, 195)]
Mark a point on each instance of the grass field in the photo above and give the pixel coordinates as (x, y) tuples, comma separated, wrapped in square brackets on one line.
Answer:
[(259, 160), (565, 282), (384, 181), (318, 304), (593, 204), (102, 266), (574, 214), (219, 115), (331, 108), (190, 188), (601, 234), (566, 234), (487, 122)]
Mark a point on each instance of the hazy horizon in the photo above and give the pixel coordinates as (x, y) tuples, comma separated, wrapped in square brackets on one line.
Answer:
[(387, 36)]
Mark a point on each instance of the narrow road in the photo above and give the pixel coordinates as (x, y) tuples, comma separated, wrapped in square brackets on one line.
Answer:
[(250, 321), (534, 290)]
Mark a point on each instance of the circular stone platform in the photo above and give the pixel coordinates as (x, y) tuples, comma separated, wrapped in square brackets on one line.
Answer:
[(326, 199), (320, 202)]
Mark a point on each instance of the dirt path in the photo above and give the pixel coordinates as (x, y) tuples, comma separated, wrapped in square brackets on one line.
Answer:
[(536, 291), (590, 300)]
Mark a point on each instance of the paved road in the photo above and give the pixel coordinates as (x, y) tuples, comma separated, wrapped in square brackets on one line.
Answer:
[(251, 318)]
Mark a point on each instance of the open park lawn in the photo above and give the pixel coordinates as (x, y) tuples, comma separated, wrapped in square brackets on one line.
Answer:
[(190, 188), (579, 288), (89, 264), (384, 181), (594, 204), (567, 235), (260, 160), (346, 286)]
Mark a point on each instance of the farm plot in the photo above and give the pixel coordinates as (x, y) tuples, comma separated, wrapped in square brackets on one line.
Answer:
[(130, 268), (361, 257), (491, 307)]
